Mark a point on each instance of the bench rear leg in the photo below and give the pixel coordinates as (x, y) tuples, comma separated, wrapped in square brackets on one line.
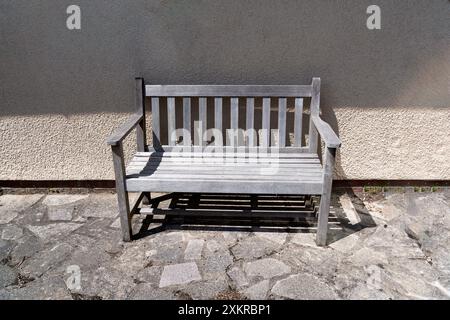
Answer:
[(122, 196), (324, 207)]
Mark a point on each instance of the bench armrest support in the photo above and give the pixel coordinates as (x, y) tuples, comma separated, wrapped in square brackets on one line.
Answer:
[(326, 132), (120, 133)]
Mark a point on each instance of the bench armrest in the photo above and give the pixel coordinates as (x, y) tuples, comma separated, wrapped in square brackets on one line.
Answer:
[(120, 133), (326, 132)]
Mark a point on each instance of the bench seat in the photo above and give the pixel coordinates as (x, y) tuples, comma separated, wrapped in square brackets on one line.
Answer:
[(288, 173)]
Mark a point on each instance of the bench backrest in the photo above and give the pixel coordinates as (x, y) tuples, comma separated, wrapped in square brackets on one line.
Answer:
[(189, 108)]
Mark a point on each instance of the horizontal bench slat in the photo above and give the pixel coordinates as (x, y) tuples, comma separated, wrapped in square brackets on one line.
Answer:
[(167, 148), (225, 186), (224, 171), (222, 177), (218, 160), (227, 213), (188, 154), (297, 176), (223, 168), (228, 90), (221, 161)]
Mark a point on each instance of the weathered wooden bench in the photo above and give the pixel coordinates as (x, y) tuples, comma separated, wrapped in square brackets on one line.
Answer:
[(250, 162)]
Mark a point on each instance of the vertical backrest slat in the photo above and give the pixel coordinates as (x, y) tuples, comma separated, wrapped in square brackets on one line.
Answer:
[(171, 121), (187, 140), (315, 110), (156, 135), (234, 113), (202, 118), (234, 119), (265, 141), (298, 120), (250, 122), (282, 122), (141, 137), (218, 117)]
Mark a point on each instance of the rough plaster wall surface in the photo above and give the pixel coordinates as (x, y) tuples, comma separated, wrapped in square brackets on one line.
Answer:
[(57, 147), (377, 143), (394, 143)]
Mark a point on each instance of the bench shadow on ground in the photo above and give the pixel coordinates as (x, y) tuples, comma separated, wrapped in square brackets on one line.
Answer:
[(251, 213)]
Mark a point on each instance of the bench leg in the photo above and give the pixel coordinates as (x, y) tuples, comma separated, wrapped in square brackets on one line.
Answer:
[(122, 196), (125, 217), (324, 207), (322, 224)]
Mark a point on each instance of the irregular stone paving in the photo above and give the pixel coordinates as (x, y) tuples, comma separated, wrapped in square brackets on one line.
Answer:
[(393, 246)]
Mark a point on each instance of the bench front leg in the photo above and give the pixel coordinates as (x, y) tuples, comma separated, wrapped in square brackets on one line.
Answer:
[(122, 196), (324, 207)]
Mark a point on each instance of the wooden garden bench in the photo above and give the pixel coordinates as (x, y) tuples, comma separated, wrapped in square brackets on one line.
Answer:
[(252, 163)]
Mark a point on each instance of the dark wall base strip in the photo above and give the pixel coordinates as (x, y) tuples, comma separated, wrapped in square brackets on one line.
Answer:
[(390, 183), (110, 184), (89, 184)]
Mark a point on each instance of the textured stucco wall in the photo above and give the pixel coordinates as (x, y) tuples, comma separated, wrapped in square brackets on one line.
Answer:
[(386, 92), (394, 143)]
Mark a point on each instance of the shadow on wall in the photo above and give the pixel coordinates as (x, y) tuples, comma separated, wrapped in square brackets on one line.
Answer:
[(47, 69)]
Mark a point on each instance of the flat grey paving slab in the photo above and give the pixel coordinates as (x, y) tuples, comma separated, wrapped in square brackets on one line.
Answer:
[(50, 231), (12, 205), (61, 213), (68, 246), (258, 291), (62, 199), (305, 287), (179, 274), (12, 232), (238, 277), (8, 276), (194, 249), (266, 268)]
